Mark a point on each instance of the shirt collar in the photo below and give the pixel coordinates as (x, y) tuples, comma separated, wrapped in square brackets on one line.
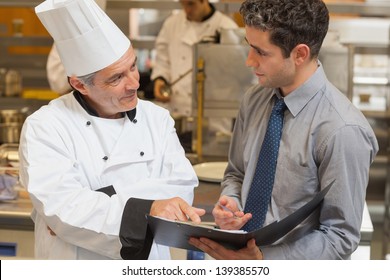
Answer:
[(210, 14), (298, 98)]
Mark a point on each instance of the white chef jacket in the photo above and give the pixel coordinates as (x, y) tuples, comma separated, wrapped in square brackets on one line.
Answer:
[(67, 156), (174, 55)]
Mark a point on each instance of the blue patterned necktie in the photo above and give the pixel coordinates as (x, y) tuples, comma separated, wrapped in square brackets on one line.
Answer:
[(263, 180)]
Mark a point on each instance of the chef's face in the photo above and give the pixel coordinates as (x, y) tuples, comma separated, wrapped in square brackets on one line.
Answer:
[(272, 69), (114, 88), (194, 9)]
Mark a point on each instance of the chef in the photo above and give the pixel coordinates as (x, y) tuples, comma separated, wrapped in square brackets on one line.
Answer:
[(197, 21), (97, 160)]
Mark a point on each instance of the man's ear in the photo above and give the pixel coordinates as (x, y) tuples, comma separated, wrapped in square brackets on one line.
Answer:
[(77, 84), (301, 53)]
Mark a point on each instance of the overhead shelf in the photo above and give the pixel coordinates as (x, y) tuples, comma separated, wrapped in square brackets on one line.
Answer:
[(379, 81), (362, 9)]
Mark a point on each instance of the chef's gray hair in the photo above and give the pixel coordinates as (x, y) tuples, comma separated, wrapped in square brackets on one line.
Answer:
[(88, 79)]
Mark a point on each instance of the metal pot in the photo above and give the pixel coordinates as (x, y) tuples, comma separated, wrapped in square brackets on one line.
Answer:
[(12, 116), (182, 124), (13, 83), (11, 122), (10, 133)]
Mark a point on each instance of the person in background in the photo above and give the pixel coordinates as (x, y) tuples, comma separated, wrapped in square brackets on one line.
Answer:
[(197, 21), (96, 161), (324, 138), (55, 71)]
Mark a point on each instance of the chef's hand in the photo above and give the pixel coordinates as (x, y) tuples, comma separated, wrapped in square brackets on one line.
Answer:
[(159, 84), (230, 217), (176, 209), (218, 252)]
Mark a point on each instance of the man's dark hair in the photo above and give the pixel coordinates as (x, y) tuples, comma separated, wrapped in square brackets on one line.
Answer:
[(289, 22)]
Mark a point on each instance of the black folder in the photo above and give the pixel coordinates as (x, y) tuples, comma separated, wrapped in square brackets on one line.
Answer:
[(176, 233)]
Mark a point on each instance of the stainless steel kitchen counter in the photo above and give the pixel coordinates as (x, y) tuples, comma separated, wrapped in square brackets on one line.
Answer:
[(15, 214)]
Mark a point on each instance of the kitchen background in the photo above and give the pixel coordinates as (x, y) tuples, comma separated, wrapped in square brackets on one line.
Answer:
[(355, 56)]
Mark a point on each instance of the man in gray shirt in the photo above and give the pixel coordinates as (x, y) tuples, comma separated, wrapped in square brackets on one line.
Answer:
[(324, 138)]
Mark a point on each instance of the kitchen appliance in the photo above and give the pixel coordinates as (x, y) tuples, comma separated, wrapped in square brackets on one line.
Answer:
[(13, 83), (3, 72), (16, 226), (221, 78), (11, 122)]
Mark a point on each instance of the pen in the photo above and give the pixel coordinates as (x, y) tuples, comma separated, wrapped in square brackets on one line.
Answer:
[(227, 209)]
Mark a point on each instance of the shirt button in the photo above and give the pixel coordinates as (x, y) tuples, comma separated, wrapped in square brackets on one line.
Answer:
[(135, 121), (105, 158), (141, 154), (88, 123)]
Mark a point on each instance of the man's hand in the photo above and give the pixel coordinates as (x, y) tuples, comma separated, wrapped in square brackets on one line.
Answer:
[(228, 216), (176, 209), (159, 95), (218, 252)]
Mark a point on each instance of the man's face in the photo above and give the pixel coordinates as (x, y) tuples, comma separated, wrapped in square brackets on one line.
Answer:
[(115, 87), (268, 63), (194, 9)]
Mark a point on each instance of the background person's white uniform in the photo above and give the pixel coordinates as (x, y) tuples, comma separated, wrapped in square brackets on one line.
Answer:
[(174, 55)]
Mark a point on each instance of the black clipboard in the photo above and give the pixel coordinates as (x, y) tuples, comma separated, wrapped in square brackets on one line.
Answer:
[(176, 234)]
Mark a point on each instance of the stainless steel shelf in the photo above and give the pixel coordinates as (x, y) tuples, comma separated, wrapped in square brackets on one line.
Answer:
[(166, 5), (362, 9), (27, 41), (143, 42), (31, 66), (354, 49), (19, 3), (371, 81), (126, 4)]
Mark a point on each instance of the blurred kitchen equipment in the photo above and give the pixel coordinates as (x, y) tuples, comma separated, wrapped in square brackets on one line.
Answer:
[(364, 97), (13, 83), (167, 88), (232, 35), (17, 27), (182, 123), (217, 94), (11, 122), (3, 72), (7, 186), (9, 155), (210, 171), (200, 77), (334, 59), (9, 173)]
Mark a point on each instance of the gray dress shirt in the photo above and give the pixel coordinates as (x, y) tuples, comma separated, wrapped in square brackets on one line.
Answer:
[(324, 138)]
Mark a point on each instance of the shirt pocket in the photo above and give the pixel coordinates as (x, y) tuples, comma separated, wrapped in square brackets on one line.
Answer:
[(295, 184)]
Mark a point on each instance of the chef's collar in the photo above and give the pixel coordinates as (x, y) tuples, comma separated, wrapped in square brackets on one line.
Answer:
[(79, 97), (210, 14)]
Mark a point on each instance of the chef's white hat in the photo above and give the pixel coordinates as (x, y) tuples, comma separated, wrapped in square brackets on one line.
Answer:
[(86, 38)]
